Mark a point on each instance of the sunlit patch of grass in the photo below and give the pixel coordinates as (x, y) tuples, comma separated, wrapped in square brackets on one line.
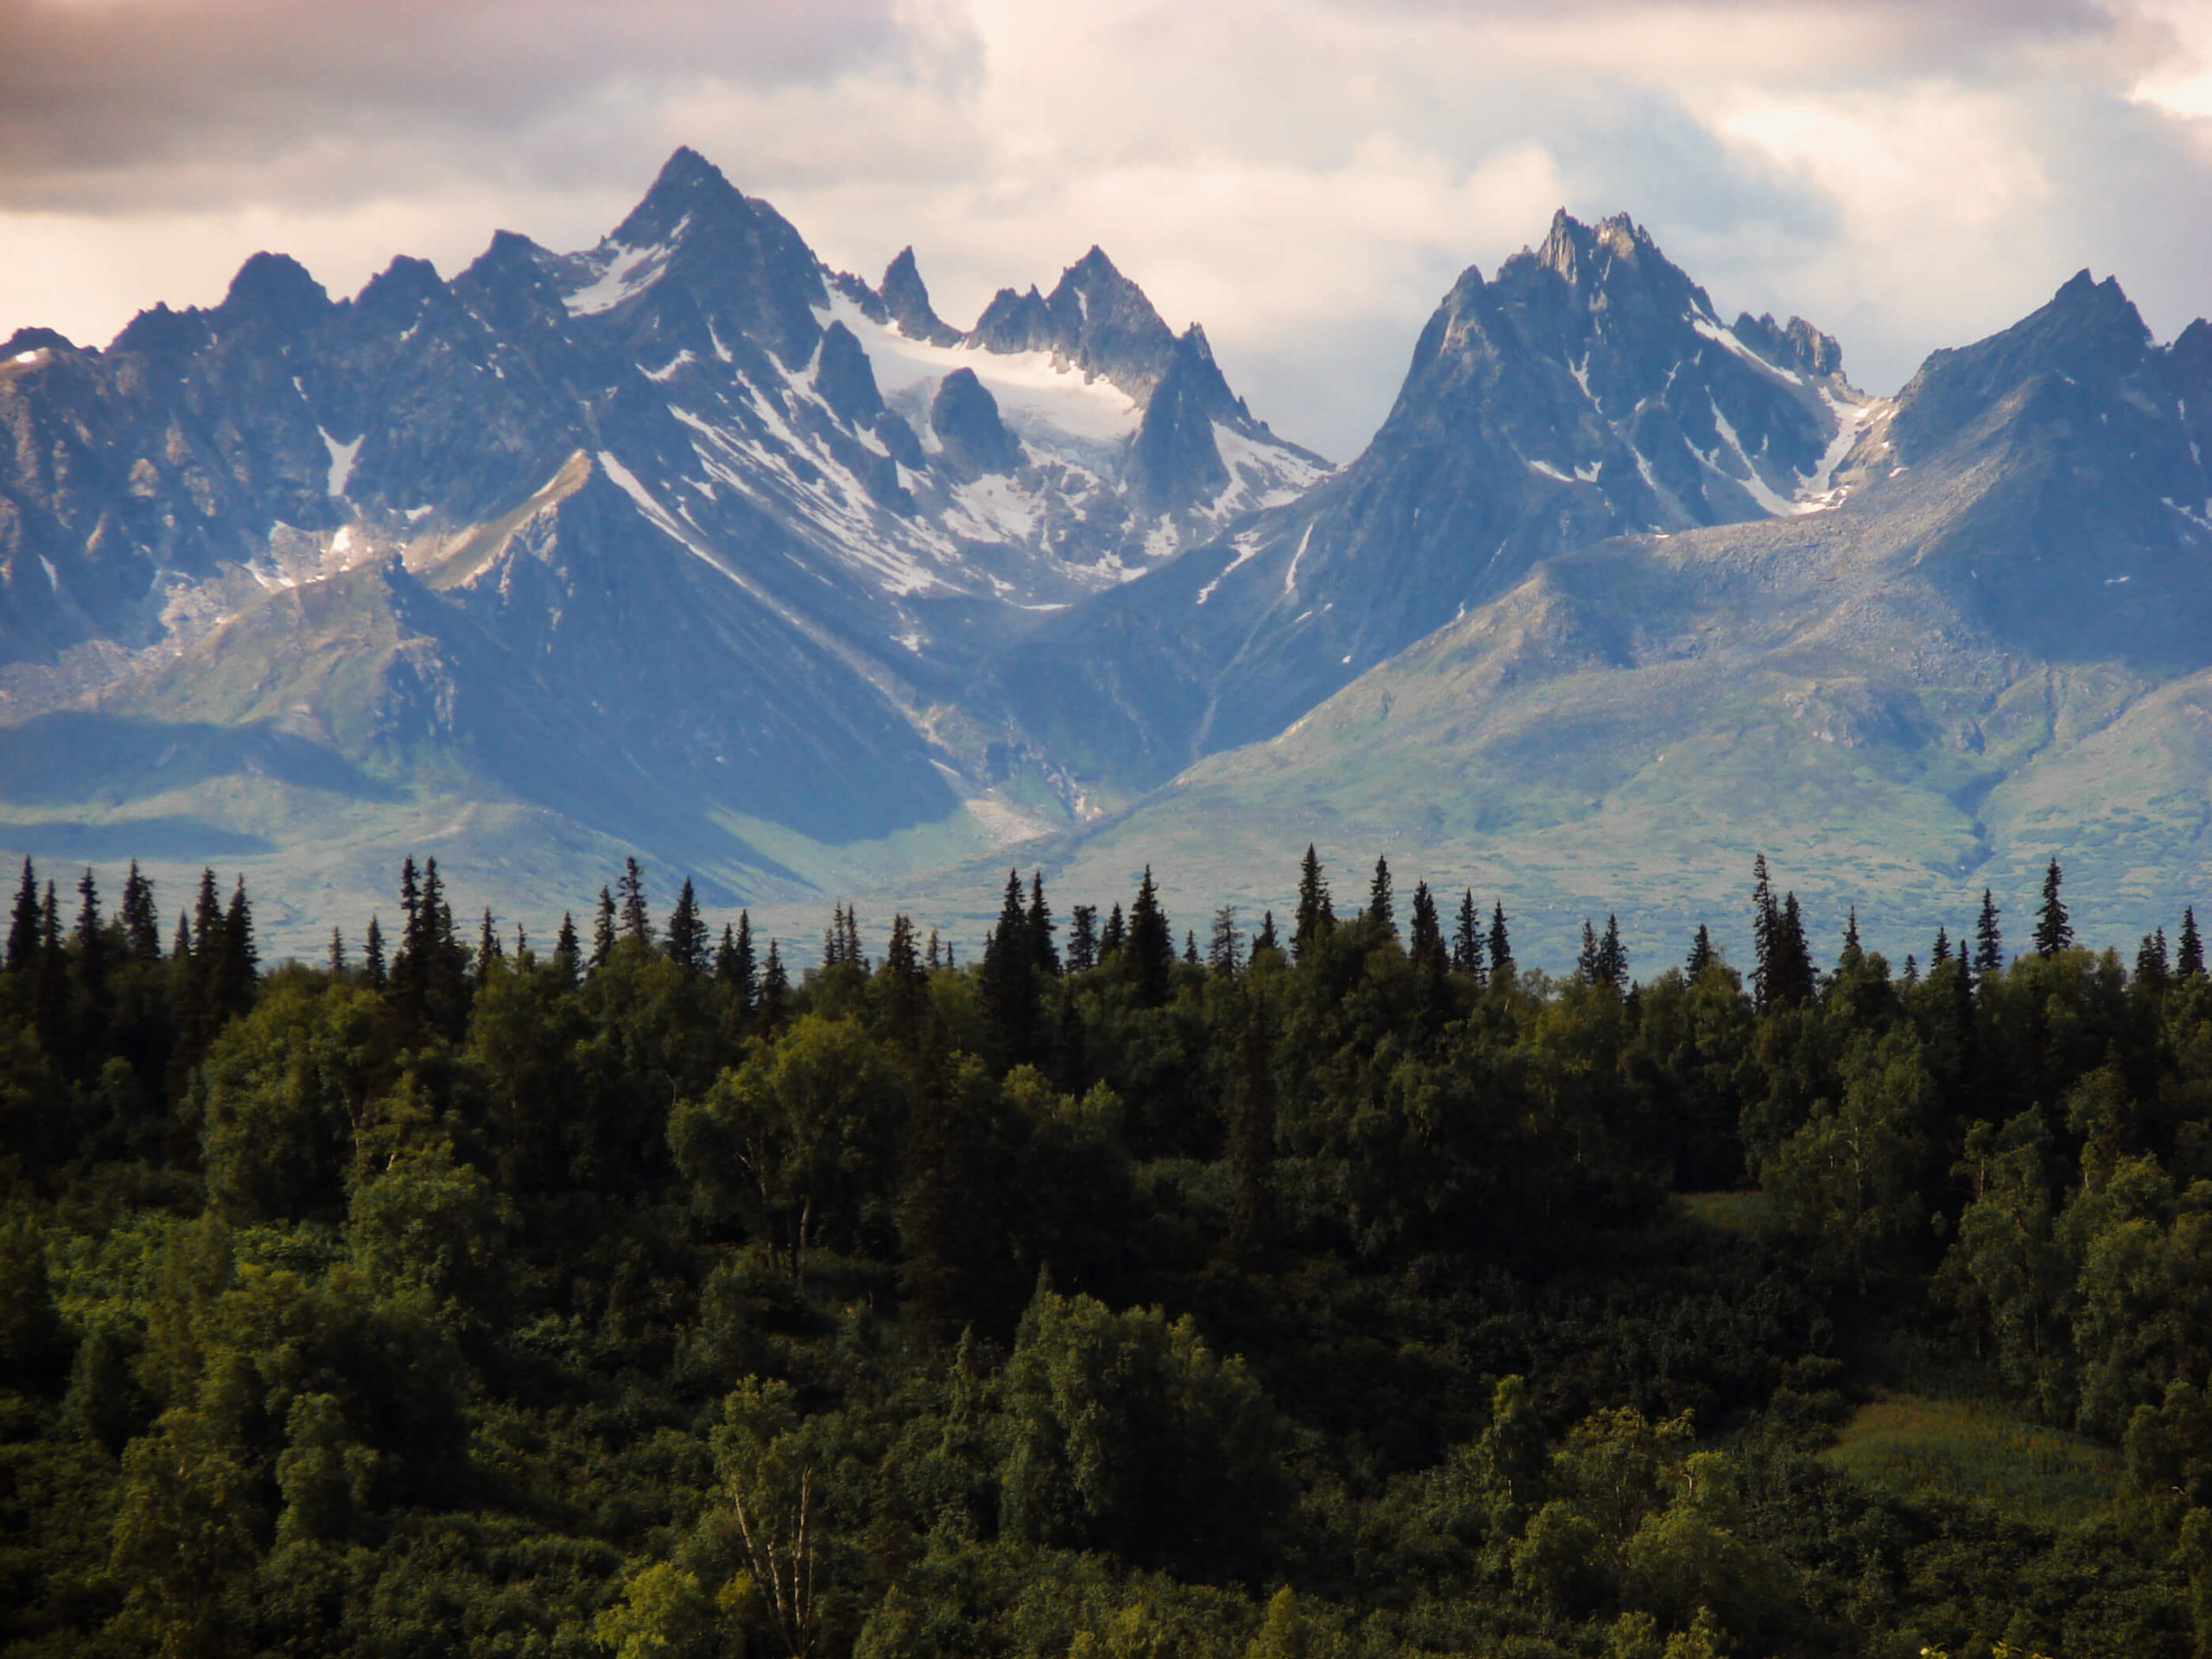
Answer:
[(1922, 1447), (1727, 1213)]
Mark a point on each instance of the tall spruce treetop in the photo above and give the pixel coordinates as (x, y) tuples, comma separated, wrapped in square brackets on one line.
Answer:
[(1007, 984), (1151, 947), (687, 934), (1382, 908), (1425, 936), (142, 922), (2188, 961), (1764, 915), (1225, 949), (1315, 913), (602, 930), (1988, 940), (488, 948), (1585, 959), (23, 928), (1612, 956), (373, 965), (2053, 933), (1044, 955), (2153, 969), (630, 890), (1501, 943), (1115, 935), (1265, 939), (1083, 938), (1700, 956), (1467, 938)]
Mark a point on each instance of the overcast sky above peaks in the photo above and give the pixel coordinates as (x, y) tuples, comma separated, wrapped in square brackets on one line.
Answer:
[(1304, 177)]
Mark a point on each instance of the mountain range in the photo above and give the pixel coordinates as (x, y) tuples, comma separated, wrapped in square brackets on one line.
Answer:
[(689, 545)]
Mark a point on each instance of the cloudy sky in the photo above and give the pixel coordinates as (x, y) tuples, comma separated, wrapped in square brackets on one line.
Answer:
[(1304, 177)]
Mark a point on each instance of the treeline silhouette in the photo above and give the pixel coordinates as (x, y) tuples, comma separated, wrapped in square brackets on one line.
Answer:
[(1335, 1288)]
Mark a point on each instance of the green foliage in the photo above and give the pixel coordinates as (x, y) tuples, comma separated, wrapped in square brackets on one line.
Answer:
[(1374, 1296)]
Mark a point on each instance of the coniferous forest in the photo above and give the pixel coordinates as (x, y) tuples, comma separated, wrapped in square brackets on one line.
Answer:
[(1329, 1285)]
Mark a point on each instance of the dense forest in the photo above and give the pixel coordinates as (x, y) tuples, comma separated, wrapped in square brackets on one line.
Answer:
[(1332, 1287)]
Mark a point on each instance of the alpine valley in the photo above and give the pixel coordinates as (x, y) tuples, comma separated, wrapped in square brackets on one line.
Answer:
[(691, 547)]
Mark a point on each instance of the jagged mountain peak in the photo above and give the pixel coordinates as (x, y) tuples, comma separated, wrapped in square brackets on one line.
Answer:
[(905, 301), (274, 287)]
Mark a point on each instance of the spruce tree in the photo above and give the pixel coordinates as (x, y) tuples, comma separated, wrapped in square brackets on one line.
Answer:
[(488, 949), (2053, 931), (1007, 984), (337, 960), (1791, 981), (1989, 942), (1265, 939), (687, 934), (1501, 944), (2153, 971), (23, 931), (905, 988), (933, 957), (180, 946), (1382, 911), (602, 931), (142, 922), (1911, 968), (1612, 956), (1700, 956), (726, 958), (1044, 955), (1585, 959), (630, 891), (1316, 916), (89, 939), (775, 990), (1940, 953), (2188, 961), (50, 983), (1467, 938), (1151, 946), (1083, 938), (1425, 935), (1764, 915), (744, 974), (1225, 949), (242, 959), (373, 968), (1114, 935), (833, 937), (1190, 947)]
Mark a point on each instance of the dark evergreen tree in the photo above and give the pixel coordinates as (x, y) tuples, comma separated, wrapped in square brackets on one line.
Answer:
[(1585, 959), (1315, 913), (933, 957), (241, 956), (1911, 968), (1790, 977), (337, 959), (180, 946), (1989, 942), (2188, 960), (23, 931), (1612, 956), (1425, 934), (1007, 984), (744, 975), (1382, 908), (1265, 939), (1940, 953), (1083, 938), (1190, 947), (142, 922), (488, 948), (2054, 933), (1501, 944), (1700, 956), (1151, 946), (1114, 936), (2153, 969), (1467, 938), (905, 986), (602, 931), (687, 934), (1225, 949), (50, 984), (726, 958), (373, 965), (567, 951), (1044, 955), (630, 892), (775, 991)]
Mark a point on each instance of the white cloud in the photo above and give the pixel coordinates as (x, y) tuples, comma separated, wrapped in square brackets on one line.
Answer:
[(1304, 176)]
